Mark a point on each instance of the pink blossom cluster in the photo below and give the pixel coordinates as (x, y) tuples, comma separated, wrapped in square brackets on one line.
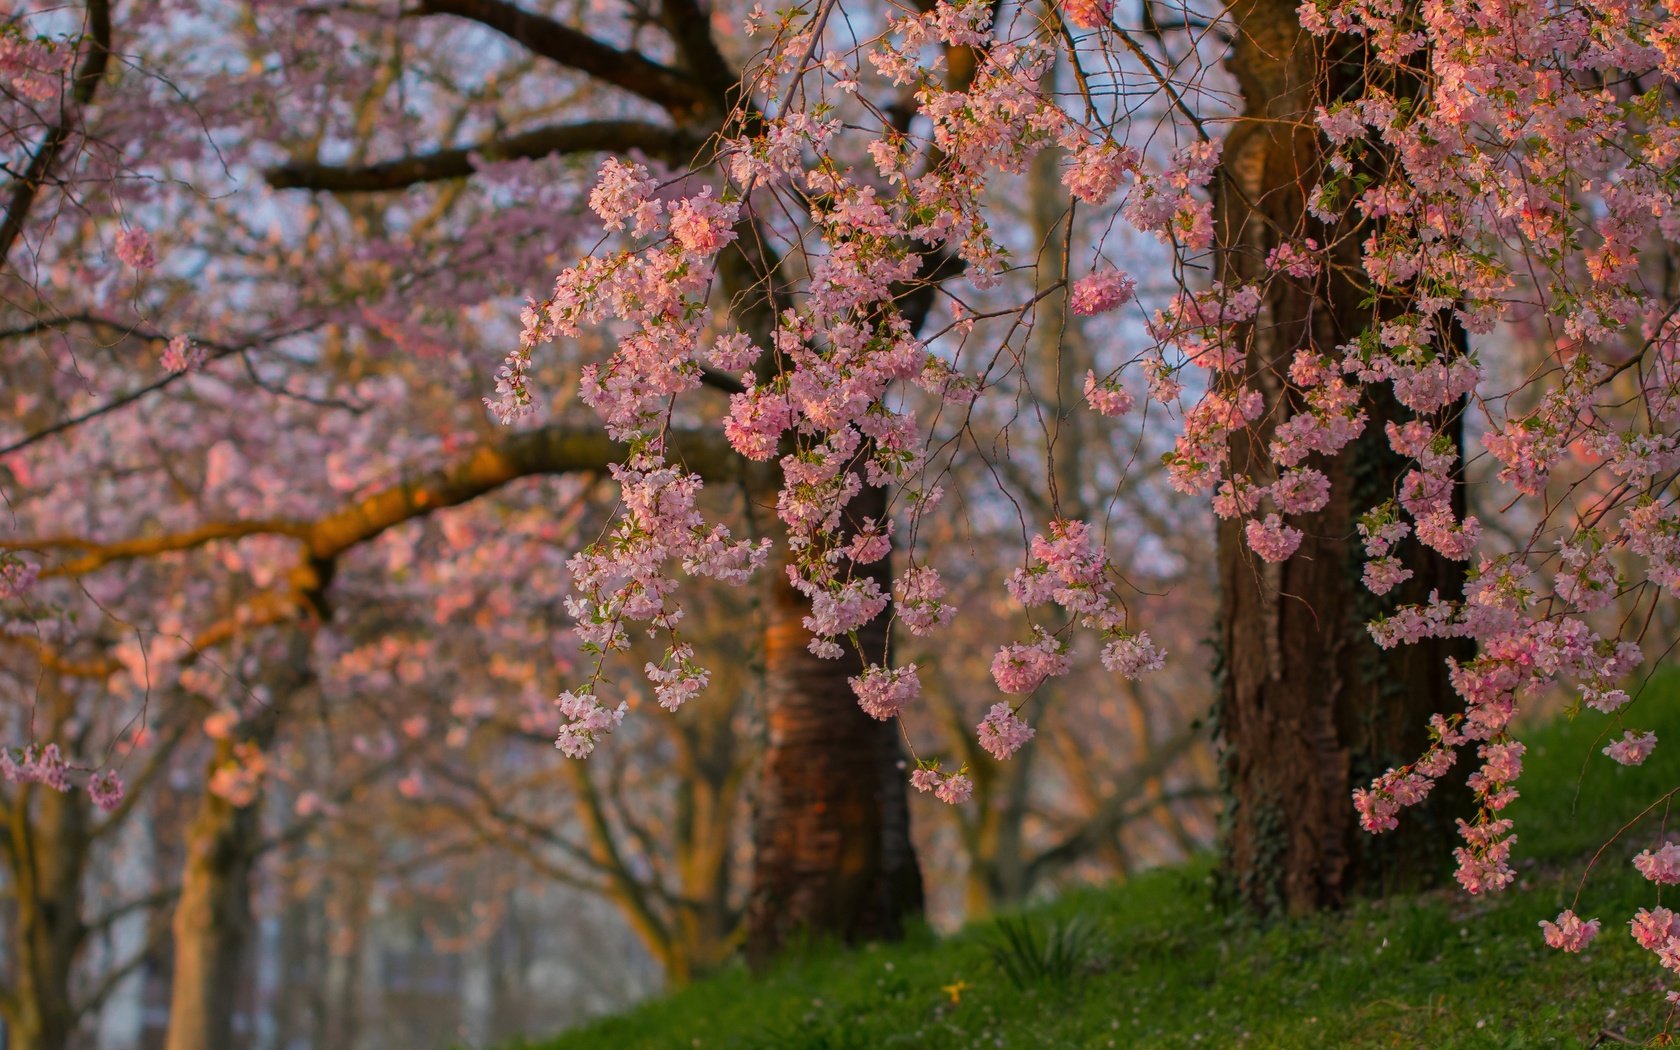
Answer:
[(676, 679), (885, 692), (1568, 933), (239, 778), (1270, 538), (35, 764), (1106, 396), (134, 247), (181, 354), (953, 789), (1633, 748), (1098, 169), (1002, 733), (34, 66), (587, 720), (916, 599), (1088, 14), (1662, 866), (1022, 668), (1295, 260), (1100, 292)]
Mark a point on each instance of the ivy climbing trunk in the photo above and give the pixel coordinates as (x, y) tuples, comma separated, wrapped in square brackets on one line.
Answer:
[(1309, 707), (831, 820)]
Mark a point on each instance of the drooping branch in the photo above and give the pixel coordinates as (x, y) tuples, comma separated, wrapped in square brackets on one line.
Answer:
[(672, 145), (560, 43)]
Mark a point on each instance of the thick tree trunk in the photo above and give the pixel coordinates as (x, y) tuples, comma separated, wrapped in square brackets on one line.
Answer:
[(831, 821), (1309, 707)]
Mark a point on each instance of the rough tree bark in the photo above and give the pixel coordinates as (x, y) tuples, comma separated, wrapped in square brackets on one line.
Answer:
[(1309, 707), (831, 819)]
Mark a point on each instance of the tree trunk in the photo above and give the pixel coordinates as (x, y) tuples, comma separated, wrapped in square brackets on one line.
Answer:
[(212, 922), (831, 821), (1309, 707), (48, 850)]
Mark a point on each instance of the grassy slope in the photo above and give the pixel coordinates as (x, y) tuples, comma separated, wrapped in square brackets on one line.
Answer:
[(1433, 971)]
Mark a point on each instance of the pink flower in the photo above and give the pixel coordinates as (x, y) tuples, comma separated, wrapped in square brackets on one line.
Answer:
[(1001, 733), (1102, 292), (1107, 397), (1632, 749), (412, 785), (183, 355), (734, 352), (1272, 539), (586, 722), (621, 193), (1133, 656), (218, 724), (1569, 933), (36, 765), (1088, 14), (1384, 574), (883, 693), (1301, 491), (134, 247), (1294, 261), (916, 598), (1654, 928), (1023, 668), (1661, 867), (702, 225), (678, 679), (956, 790), (1452, 539), (1097, 170), (106, 790)]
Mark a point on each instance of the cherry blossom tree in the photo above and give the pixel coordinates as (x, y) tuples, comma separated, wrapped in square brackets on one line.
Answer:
[(809, 320), (1370, 192)]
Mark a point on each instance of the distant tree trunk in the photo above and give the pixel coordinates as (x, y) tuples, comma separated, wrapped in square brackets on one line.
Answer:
[(1309, 707), (705, 829), (212, 924), (212, 921), (48, 853), (831, 821)]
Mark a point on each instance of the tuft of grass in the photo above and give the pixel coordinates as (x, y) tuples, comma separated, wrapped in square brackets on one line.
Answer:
[(1152, 963), (1067, 953)]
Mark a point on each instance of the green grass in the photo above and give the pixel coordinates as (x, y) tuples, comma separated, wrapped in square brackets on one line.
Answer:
[(1159, 966)]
